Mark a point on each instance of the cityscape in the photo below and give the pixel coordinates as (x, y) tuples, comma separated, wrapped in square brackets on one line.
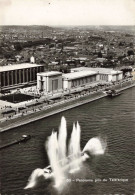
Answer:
[(66, 103), (70, 62)]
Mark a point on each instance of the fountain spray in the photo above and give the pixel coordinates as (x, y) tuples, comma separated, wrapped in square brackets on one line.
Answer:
[(66, 160)]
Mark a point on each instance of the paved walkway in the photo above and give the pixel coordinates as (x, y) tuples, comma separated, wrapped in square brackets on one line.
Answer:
[(46, 107)]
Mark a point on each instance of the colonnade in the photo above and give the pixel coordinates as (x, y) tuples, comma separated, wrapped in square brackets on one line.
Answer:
[(18, 76)]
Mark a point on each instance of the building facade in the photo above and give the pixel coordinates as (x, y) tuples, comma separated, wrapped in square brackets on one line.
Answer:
[(133, 74), (105, 74), (81, 78), (49, 81), (13, 76)]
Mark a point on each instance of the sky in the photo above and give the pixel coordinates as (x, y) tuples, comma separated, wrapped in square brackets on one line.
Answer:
[(67, 12)]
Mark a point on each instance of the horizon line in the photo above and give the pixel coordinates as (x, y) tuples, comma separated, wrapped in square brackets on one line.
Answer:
[(68, 25)]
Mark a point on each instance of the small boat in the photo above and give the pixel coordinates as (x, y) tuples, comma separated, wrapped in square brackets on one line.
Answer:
[(24, 138), (113, 93)]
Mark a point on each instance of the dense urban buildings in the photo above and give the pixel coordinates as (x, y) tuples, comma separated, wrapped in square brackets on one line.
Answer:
[(62, 48), (80, 69), (42, 65)]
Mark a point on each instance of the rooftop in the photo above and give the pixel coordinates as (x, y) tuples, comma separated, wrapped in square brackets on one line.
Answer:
[(51, 73), (17, 67), (99, 70), (106, 70), (79, 74)]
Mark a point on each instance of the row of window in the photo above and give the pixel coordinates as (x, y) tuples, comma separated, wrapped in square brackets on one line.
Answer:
[(104, 77), (83, 81)]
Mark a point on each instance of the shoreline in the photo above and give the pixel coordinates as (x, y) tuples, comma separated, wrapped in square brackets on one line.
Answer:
[(47, 113)]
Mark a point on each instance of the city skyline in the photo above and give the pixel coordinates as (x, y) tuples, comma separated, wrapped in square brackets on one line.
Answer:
[(62, 12)]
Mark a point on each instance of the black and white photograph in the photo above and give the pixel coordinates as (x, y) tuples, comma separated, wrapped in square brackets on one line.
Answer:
[(67, 97)]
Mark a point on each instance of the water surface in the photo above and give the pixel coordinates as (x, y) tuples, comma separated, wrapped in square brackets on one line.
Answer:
[(112, 119)]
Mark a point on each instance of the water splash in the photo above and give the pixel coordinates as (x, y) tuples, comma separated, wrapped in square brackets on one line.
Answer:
[(62, 161), (95, 146), (56, 150), (34, 177), (74, 148), (54, 158), (62, 141)]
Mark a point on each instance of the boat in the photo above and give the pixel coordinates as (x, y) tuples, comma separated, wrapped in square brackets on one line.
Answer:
[(113, 93), (24, 138)]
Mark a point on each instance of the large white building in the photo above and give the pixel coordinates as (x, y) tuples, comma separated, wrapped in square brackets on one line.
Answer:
[(80, 78), (105, 74), (52, 81), (49, 81), (12, 76)]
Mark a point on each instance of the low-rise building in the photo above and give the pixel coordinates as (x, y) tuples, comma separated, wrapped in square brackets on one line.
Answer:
[(105, 74), (79, 78), (49, 81), (13, 76)]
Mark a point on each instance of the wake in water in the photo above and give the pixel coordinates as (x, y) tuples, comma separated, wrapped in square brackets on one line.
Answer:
[(66, 160)]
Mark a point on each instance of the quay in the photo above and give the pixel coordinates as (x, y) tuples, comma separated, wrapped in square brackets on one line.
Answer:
[(59, 107)]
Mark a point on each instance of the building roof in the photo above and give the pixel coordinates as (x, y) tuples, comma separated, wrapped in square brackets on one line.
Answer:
[(53, 63), (81, 58), (79, 74), (17, 67), (99, 70), (106, 71), (50, 73)]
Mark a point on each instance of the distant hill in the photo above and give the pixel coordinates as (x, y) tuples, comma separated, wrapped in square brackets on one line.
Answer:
[(103, 27), (118, 28), (25, 28), (87, 27)]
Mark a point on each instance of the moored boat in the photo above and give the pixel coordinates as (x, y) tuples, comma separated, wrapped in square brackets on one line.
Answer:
[(113, 93)]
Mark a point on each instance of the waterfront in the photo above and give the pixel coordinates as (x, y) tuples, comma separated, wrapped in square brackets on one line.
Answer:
[(63, 105), (112, 119)]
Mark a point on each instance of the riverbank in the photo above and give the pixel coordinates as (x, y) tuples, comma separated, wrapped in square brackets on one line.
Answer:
[(60, 107)]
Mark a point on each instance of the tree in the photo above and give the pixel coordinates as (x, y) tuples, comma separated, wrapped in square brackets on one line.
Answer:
[(130, 52), (99, 55), (18, 46)]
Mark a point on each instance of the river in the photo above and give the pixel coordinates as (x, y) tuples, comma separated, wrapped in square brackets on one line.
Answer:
[(110, 118)]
